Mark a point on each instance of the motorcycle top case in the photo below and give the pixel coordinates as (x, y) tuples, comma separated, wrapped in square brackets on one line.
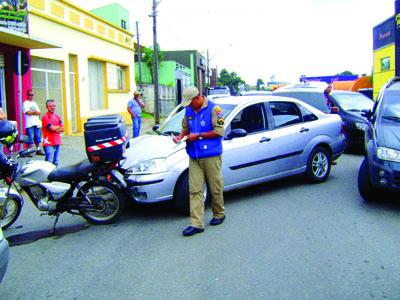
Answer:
[(106, 138)]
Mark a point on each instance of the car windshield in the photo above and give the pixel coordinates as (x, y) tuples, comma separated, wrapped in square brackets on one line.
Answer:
[(173, 125), (315, 99), (353, 102), (391, 106)]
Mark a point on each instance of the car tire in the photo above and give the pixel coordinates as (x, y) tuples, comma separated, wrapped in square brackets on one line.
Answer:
[(181, 194), (318, 165), (367, 191)]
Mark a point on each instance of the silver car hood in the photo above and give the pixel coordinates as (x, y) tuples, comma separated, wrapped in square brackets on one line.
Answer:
[(150, 146)]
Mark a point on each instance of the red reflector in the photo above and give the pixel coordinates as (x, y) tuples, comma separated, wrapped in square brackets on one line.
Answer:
[(95, 158), (108, 177), (8, 180)]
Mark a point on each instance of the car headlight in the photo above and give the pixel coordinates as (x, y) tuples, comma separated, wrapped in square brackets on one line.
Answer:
[(388, 154), (1, 235), (150, 166), (361, 126)]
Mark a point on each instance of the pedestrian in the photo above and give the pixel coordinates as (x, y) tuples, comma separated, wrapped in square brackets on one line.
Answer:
[(327, 93), (33, 126), (135, 106), (52, 127), (203, 129)]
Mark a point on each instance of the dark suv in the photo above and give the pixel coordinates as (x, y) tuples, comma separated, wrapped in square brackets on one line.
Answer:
[(349, 105), (380, 169)]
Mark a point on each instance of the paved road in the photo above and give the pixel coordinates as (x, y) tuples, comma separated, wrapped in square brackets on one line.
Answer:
[(282, 240)]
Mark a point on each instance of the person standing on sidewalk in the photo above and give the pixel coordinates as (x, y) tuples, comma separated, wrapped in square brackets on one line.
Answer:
[(135, 106), (52, 127), (33, 126), (203, 128)]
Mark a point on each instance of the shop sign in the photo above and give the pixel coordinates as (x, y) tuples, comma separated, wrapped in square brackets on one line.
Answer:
[(14, 15)]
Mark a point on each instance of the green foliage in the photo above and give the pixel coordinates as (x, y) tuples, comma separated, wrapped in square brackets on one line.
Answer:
[(149, 61), (346, 73), (231, 80), (260, 84)]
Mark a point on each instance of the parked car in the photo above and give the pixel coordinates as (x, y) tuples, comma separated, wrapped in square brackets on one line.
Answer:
[(266, 138), (349, 105), (380, 169), (4, 254), (255, 93)]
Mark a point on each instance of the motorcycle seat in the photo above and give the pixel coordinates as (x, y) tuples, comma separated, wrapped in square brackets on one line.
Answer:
[(75, 172)]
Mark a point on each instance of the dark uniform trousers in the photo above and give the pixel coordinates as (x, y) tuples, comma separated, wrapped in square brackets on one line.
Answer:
[(209, 169)]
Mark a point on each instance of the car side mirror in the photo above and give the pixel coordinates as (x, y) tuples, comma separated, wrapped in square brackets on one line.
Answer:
[(368, 115), (236, 133), (335, 110)]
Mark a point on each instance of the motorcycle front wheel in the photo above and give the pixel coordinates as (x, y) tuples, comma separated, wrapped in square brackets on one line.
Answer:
[(106, 202), (12, 210)]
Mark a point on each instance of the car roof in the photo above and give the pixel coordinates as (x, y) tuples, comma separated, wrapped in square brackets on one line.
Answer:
[(244, 100), (316, 86)]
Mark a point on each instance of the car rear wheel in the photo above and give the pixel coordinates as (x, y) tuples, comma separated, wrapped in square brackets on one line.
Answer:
[(318, 165), (367, 191), (181, 194)]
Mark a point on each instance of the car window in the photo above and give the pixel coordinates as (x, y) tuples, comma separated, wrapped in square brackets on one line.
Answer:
[(308, 116), (285, 114), (315, 99), (353, 101), (391, 106), (252, 119), (174, 124)]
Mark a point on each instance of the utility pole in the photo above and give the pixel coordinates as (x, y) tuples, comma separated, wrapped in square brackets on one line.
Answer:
[(155, 64), (208, 69), (139, 54)]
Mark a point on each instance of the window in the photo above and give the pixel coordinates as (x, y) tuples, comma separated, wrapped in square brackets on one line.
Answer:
[(385, 64), (123, 24), (252, 119), (117, 77), (307, 115), (96, 85), (285, 113)]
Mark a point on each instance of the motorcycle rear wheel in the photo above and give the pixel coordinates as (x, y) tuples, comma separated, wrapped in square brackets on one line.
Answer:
[(108, 202), (12, 211)]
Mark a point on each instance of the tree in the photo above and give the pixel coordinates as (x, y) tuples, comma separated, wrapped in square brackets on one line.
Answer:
[(231, 80), (260, 84), (148, 59), (346, 73)]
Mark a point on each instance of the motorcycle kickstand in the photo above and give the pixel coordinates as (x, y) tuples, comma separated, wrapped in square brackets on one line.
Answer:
[(53, 231)]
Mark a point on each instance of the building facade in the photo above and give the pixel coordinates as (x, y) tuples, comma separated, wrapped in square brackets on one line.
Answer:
[(384, 54)]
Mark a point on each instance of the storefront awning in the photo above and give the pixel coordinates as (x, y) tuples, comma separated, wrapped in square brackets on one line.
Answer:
[(24, 40)]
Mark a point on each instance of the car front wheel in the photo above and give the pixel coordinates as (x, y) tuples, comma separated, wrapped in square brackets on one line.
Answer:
[(367, 191), (181, 194), (318, 165)]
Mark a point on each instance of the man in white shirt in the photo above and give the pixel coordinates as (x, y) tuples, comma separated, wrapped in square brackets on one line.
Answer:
[(33, 124)]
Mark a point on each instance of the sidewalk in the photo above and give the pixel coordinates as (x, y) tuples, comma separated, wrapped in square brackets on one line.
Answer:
[(73, 147)]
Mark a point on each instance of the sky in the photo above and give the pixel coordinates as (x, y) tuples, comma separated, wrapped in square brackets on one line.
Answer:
[(264, 39)]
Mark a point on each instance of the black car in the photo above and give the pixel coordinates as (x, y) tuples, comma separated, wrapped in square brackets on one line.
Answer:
[(352, 106), (349, 105), (380, 169)]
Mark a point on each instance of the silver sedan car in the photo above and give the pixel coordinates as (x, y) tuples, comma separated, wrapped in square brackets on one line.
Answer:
[(266, 138)]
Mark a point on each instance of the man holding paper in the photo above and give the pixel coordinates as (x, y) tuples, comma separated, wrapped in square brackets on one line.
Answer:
[(203, 129)]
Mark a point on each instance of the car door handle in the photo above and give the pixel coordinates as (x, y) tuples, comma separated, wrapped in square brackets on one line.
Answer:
[(303, 129), (265, 139)]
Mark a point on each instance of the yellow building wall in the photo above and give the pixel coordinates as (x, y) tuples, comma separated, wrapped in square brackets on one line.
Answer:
[(86, 44), (381, 77)]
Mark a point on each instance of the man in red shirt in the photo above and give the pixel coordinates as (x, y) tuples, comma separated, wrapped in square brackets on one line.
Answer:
[(52, 125)]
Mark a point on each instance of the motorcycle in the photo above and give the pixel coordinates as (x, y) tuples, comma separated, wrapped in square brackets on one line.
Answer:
[(84, 189)]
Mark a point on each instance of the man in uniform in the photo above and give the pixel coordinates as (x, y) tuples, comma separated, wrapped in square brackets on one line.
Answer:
[(203, 127)]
